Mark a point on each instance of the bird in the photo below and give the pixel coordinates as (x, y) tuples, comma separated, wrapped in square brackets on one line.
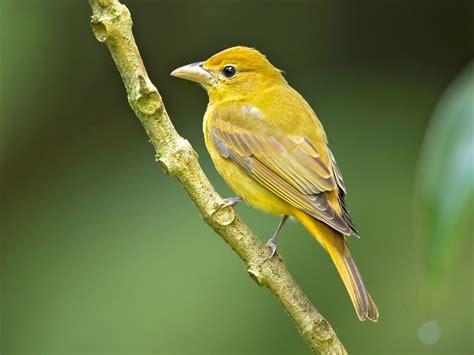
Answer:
[(269, 146)]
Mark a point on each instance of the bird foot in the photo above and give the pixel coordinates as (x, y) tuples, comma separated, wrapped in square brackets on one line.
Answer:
[(231, 201), (273, 246)]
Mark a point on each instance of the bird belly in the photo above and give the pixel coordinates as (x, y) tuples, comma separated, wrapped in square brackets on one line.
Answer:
[(246, 187)]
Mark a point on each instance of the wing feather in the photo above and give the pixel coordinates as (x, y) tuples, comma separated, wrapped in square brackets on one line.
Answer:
[(289, 166)]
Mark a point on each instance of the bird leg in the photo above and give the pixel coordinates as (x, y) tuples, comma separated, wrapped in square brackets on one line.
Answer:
[(272, 242), (231, 201)]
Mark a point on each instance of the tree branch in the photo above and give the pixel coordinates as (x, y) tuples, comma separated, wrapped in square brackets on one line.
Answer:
[(112, 24)]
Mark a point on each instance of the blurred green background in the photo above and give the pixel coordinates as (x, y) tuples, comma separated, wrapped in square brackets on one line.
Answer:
[(101, 253)]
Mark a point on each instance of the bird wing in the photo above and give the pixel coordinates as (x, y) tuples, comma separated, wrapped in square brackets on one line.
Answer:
[(289, 166)]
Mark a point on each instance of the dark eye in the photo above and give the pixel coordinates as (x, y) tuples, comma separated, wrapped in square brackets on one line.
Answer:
[(229, 71)]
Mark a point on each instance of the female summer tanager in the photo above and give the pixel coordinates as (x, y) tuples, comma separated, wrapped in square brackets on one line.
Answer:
[(269, 146)]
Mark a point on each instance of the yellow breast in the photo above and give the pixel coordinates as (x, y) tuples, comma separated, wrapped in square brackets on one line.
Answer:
[(239, 181)]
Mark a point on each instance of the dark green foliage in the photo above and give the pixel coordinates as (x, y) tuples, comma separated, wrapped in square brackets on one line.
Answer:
[(445, 181)]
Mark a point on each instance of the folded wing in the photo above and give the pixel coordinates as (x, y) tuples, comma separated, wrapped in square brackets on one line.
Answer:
[(289, 166)]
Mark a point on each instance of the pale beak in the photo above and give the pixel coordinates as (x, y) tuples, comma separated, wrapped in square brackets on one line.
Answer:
[(194, 72)]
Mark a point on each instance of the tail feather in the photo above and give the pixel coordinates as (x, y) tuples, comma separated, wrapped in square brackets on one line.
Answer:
[(336, 246), (363, 303)]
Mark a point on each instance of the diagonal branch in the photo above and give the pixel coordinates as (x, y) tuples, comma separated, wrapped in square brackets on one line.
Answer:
[(112, 24)]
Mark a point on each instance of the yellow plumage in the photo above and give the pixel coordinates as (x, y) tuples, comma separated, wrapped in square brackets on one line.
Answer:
[(270, 148)]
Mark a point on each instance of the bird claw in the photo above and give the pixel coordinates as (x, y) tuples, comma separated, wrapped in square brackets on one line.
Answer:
[(273, 247), (231, 201)]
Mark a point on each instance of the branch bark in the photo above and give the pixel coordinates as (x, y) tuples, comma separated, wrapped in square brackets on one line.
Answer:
[(112, 24)]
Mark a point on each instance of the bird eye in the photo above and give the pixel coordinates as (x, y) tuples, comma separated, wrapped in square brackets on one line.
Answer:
[(229, 71)]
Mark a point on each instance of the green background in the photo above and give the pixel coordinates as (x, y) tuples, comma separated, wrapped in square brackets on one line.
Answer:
[(101, 253)]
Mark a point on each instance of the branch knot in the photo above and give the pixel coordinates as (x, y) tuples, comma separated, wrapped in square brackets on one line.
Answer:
[(256, 273), (104, 3), (148, 100), (320, 329), (222, 214), (177, 159), (99, 28)]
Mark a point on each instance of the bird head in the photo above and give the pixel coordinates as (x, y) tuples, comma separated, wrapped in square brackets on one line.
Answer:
[(234, 72)]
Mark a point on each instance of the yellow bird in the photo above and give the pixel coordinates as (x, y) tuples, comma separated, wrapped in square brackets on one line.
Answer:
[(270, 148)]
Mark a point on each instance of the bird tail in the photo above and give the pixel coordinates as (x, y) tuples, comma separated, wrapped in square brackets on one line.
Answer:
[(336, 246)]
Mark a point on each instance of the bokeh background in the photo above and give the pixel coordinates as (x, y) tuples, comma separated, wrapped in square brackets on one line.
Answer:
[(101, 253)]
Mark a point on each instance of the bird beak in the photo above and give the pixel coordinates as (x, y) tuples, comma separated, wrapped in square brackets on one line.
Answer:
[(194, 72)]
